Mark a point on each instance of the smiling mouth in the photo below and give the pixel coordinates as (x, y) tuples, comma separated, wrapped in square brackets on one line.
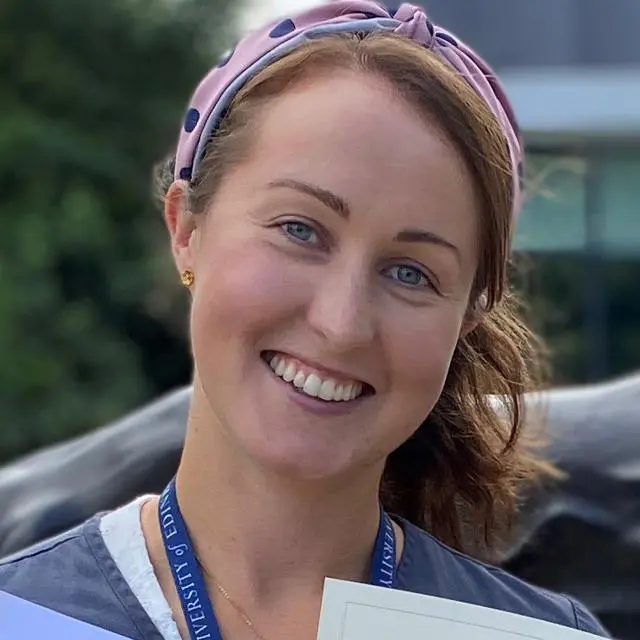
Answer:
[(310, 382)]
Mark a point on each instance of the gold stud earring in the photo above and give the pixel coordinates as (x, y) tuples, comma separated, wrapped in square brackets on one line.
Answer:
[(187, 277)]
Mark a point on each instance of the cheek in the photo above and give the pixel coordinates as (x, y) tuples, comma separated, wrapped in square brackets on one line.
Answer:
[(242, 288), (421, 348)]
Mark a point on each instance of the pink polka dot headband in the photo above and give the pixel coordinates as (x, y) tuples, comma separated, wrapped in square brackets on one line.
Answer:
[(256, 51)]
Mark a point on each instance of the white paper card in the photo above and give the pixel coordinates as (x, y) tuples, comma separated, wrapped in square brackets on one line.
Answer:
[(353, 611)]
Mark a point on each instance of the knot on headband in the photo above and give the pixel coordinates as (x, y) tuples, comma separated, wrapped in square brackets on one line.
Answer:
[(261, 48), (414, 25)]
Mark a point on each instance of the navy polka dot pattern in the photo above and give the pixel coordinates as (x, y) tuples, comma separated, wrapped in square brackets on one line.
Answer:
[(212, 97), (226, 56), (191, 120), (282, 29), (430, 27), (447, 38)]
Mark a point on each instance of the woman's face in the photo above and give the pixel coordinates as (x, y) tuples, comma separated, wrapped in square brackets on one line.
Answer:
[(332, 277)]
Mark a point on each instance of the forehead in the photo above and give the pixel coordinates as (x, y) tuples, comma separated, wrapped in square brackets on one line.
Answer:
[(349, 133)]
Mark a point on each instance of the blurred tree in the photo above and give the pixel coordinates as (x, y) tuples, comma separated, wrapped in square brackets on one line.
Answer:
[(91, 95)]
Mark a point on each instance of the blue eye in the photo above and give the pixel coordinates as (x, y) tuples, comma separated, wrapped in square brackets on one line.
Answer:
[(300, 232), (408, 276)]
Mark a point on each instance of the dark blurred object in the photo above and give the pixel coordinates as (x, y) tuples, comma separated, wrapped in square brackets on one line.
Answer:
[(581, 536), (60, 486)]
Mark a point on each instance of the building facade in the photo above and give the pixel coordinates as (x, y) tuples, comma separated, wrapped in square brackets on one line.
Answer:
[(572, 70)]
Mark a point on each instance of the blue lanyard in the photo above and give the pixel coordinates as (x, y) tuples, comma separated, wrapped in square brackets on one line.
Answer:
[(189, 581)]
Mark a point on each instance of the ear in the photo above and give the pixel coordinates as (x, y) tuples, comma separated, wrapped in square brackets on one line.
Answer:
[(473, 316), (471, 321), (181, 224)]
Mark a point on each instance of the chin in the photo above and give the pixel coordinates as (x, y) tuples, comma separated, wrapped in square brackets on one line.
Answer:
[(274, 428), (293, 435), (301, 458)]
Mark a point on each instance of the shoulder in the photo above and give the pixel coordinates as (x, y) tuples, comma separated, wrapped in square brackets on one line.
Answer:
[(45, 558), (71, 574), (430, 567)]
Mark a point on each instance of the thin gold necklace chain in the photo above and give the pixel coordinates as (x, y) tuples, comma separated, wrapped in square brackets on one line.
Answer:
[(239, 610)]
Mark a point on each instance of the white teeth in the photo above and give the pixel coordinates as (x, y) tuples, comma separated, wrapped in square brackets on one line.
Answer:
[(289, 373), (311, 384), (298, 381), (327, 390)]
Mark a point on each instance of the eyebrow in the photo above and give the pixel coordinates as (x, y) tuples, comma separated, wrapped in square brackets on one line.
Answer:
[(420, 235), (341, 207), (328, 198)]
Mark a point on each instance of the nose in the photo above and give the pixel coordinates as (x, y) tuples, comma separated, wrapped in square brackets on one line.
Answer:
[(342, 310)]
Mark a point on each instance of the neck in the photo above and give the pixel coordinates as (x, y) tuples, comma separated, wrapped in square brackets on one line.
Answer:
[(262, 535)]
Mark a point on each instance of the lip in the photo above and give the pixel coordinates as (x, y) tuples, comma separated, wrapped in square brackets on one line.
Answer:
[(326, 372), (315, 405)]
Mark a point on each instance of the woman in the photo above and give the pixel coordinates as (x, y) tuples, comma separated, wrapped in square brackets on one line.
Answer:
[(340, 208)]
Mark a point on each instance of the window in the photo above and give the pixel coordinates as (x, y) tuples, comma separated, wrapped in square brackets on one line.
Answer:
[(580, 229)]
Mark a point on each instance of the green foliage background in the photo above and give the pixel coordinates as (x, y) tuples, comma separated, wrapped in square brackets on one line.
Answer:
[(91, 317), (90, 98)]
